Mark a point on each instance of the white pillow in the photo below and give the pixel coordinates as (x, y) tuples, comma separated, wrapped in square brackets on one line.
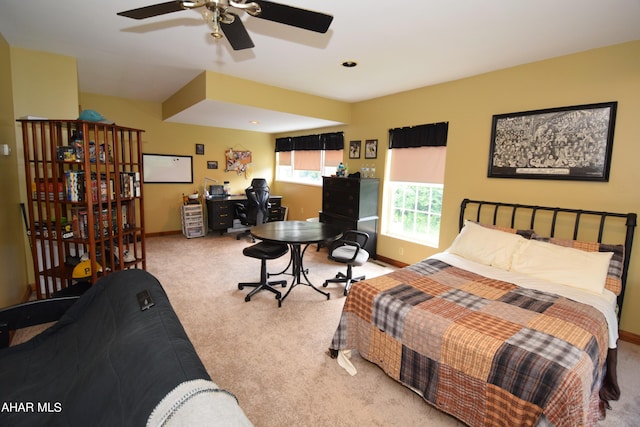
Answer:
[(559, 264), (486, 245)]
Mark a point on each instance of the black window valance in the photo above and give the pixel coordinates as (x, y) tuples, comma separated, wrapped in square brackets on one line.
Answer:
[(431, 135), (323, 141)]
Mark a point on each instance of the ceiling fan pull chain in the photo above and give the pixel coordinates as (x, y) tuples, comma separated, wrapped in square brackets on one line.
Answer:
[(213, 18)]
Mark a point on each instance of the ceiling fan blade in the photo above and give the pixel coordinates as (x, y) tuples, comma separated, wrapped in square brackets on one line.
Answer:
[(236, 33), (296, 17), (153, 10)]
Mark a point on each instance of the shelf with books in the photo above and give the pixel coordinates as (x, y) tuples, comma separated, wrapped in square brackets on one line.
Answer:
[(86, 200)]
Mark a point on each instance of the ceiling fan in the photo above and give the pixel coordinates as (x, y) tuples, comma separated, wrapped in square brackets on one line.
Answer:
[(217, 13)]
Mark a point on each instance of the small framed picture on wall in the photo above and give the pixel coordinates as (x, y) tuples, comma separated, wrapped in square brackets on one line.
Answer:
[(212, 164), (199, 148), (354, 149), (371, 149)]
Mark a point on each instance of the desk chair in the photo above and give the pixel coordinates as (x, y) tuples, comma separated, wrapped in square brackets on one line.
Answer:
[(349, 249), (256, 210), (264, 251)]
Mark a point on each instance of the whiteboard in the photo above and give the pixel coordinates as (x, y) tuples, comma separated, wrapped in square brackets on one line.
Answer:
[(167, 168)]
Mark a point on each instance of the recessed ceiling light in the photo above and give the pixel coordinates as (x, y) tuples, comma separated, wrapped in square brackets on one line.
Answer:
[(254, 122), (349, 64)]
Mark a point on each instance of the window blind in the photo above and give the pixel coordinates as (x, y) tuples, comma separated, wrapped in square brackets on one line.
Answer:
[(418, 153), (284, 158), (307, 160), (332, 157), (420, 164)]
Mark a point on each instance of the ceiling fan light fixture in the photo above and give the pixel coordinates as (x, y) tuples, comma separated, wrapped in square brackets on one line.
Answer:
[(207, 15), (252, 8), (192, 4), (227, 18)]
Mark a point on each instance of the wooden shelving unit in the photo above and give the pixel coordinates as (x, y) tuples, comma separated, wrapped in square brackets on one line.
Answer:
[(85, 200)]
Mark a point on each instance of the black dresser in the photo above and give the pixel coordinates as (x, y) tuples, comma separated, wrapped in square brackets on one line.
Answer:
[(352, 204)]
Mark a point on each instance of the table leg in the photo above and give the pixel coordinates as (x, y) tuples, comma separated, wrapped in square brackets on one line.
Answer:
[(297, 255)]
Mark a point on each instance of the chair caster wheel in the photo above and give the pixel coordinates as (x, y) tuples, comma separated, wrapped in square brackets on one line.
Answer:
[(279, 303), (247, 299), (278, 296), (328, 296), (346, 292), (240, 287), (324, 285)]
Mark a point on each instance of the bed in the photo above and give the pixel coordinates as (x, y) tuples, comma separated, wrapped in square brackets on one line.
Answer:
[(110, 360), (515, 324)]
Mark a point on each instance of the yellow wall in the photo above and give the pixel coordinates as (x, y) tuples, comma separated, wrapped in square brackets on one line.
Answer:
[(220, 87), (162, 201), (39, 84), (302, 201), (12, 241), (44, 85), (609, 74)]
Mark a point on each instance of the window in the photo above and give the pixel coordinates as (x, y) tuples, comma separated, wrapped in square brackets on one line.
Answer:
[(306, 159), (412, 202), (415, 211), (307, 167)]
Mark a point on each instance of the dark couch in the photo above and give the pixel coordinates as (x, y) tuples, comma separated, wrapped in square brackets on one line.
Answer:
[(106, 362)]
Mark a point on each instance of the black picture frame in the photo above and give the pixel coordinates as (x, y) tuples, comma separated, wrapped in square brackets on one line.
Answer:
[(212, 164), (354, 149), (200, 149), (565, 143), (371, 149)]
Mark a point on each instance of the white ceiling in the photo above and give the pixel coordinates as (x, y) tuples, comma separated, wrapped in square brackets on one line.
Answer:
[(398, 46)]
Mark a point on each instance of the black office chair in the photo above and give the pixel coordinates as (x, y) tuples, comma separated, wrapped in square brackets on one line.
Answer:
[(264, 251), (349, 249), (256, 210)]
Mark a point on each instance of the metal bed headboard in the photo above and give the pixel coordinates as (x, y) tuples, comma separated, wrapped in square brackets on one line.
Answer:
[(511, 214)]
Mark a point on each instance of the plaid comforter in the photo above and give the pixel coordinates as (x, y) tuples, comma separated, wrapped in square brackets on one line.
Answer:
[(485, 351)]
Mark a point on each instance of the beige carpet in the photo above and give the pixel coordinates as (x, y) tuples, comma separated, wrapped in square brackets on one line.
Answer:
[(274, 359)]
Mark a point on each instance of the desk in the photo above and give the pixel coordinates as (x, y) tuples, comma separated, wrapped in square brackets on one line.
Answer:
[(220, 211), (296, 234)]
